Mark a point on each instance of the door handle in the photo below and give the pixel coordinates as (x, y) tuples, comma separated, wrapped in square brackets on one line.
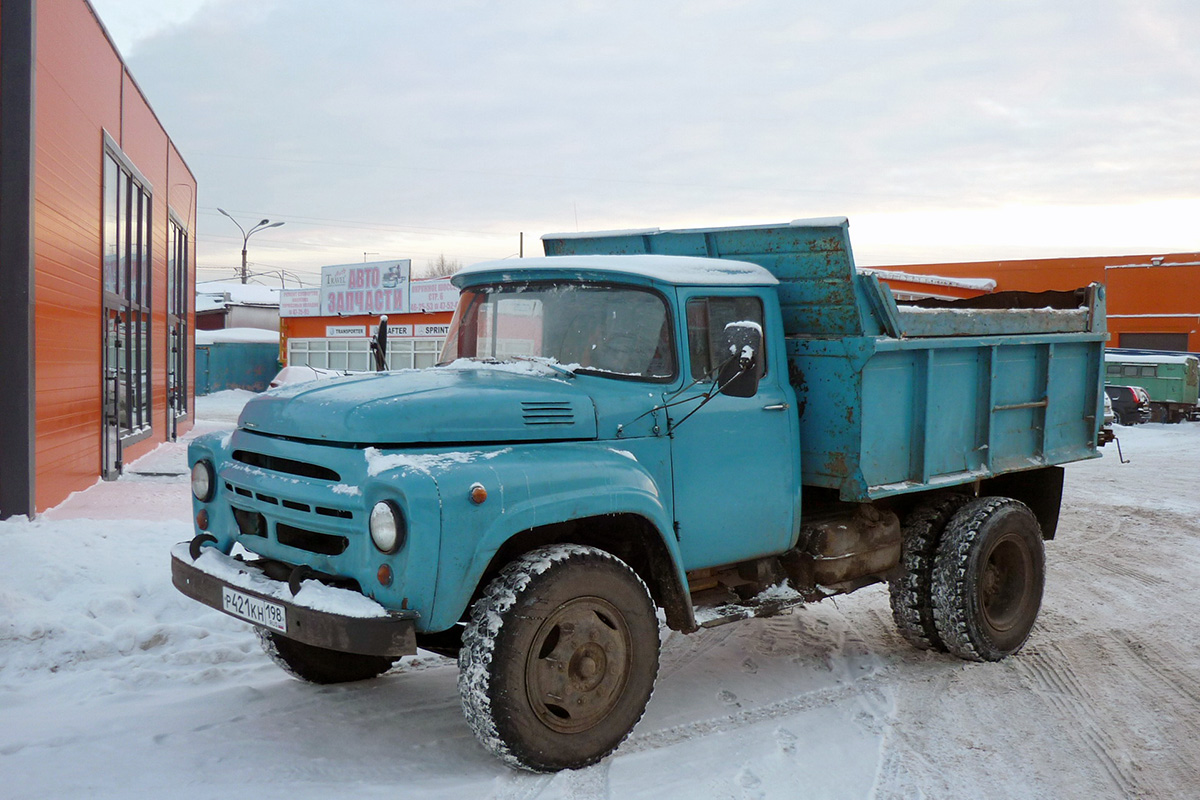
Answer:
[(777, 407)]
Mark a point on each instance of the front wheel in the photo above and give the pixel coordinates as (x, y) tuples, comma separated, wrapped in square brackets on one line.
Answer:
[(988, 577), (317, 664), (559, 658)]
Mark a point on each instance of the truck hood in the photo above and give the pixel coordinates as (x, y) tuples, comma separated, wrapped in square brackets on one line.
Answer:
[(440, 405)]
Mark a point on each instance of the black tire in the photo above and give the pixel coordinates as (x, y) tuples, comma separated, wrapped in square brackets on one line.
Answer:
[(988, 577), (318, 665), (911, 596), (559, 658)]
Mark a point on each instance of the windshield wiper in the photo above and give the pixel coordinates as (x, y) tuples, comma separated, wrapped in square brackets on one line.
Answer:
[(546, 362)]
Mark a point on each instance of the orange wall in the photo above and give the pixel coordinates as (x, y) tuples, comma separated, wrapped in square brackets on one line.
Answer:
[(1142, 297), (82, 90)]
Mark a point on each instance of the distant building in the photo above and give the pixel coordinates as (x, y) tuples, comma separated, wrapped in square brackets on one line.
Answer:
[(1153, 300), (220, 306), (330, 327), (97, 247)]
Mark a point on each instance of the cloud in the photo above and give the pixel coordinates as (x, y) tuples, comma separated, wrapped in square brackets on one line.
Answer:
[(450, 127)]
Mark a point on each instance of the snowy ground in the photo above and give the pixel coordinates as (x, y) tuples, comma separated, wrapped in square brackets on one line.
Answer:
[(112, 684)]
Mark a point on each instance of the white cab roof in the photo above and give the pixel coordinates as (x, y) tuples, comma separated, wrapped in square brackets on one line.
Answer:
[(682, 270)]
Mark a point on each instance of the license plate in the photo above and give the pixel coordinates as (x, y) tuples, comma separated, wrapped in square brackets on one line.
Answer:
[(260, 612)]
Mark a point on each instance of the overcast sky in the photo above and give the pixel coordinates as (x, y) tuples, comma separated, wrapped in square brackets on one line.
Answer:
[(944, 129)]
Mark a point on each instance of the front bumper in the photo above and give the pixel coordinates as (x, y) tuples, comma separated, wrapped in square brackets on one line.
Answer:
[(369, 629)]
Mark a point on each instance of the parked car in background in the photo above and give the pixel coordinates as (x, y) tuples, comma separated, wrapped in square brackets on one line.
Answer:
[(302, 374), (1171, 381), (1131, 404)]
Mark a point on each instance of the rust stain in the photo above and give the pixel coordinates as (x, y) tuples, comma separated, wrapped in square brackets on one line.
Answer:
[(836, 464)]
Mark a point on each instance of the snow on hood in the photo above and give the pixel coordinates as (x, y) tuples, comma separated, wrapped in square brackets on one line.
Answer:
[(461, 402)]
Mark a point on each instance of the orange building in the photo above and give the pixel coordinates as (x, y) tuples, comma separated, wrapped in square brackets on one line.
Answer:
[(1153, 300), (97, 247)]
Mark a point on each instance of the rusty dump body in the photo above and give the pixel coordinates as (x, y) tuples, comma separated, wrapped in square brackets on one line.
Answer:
[(896, 399)]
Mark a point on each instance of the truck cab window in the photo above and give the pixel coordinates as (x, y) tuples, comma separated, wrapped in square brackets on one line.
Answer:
[(706, 321), (613, 331)]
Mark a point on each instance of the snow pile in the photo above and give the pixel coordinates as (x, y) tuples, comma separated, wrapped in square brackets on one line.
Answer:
[(223, 406), (90, 601)]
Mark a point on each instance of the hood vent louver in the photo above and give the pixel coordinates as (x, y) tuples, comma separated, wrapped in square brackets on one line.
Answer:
[(547, 412)]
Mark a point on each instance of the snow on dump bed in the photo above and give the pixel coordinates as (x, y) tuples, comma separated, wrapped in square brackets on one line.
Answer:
[(684, 270), (918, 321)]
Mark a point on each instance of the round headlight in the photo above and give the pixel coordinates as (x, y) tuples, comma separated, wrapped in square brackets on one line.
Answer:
[(387, 526), (203, 482)]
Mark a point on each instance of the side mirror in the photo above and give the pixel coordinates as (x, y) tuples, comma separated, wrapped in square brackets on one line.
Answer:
[(739, 374)]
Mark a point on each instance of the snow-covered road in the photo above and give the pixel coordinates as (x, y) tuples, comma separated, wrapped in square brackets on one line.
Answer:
[(112, 684)]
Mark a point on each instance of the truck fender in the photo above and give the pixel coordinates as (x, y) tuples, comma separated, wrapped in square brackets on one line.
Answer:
[(537, 497)]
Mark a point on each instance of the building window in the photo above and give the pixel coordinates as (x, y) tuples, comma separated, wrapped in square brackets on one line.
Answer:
[(354, 355), (1154, 341), (177, 320), (127, 293)]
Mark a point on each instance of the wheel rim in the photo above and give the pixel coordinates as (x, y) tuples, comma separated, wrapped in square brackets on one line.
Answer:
[(578, 664), (1004, 583)]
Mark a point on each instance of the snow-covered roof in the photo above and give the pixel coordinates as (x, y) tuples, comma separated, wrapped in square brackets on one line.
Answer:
[(1120, 358), (684, 270), (221, 294), (244, 335)]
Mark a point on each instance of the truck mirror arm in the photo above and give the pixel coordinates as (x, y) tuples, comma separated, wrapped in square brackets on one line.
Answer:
[(703, 397)]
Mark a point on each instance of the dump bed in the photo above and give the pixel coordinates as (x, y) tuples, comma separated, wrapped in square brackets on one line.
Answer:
[(896, 398)]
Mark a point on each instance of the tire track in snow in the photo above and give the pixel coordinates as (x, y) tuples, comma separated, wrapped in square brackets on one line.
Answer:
[(1052, 675), (675, 734), (680, 650), (1186, 686)]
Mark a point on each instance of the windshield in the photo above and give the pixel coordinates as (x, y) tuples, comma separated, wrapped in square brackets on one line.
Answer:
[(616, 331)]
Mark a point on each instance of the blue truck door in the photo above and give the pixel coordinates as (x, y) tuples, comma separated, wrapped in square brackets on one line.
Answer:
[(733, 461)]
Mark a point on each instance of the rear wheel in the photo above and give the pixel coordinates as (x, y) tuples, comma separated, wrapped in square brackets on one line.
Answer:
[(559, 658), (912, 600), (988, 577), (318, 665)]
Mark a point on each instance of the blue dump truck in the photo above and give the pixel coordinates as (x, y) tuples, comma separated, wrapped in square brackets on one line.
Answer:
[(684, 427)]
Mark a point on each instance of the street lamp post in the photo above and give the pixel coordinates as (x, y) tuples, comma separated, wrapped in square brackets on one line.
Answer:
[(246, 234)]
